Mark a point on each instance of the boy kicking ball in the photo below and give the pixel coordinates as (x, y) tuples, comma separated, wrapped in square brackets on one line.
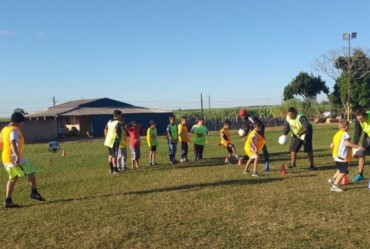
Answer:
[(342, 154), (16, 165)]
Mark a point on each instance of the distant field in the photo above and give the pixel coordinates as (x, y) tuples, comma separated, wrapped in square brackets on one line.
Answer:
[(203, 204)]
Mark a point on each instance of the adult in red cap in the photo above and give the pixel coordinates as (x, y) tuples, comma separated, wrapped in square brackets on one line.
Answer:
[(248, 121)]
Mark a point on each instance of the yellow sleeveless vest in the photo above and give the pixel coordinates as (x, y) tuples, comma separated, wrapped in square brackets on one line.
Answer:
[(336, 142), (248, 143), (151, 137), (123, 140), (111, 133), (225, 132), (183, 133), (7, 149), (295, 125), (366, 124)]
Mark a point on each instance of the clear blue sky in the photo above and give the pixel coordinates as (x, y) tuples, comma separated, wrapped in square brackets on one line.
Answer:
[(164, 53)]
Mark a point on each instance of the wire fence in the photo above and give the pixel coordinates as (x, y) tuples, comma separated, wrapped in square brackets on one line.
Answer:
[(216, 124)]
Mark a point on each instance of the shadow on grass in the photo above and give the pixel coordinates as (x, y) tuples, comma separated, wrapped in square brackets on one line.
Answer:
[(207, 162), (195, 186)]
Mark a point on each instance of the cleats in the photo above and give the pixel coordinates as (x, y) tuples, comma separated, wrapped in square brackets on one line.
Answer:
[(357, 178), (37, 196)]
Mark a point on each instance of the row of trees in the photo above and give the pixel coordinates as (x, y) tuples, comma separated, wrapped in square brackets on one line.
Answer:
[(350, 73)]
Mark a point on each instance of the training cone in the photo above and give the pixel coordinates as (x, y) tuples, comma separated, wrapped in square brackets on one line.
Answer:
[(283, 170), (344, 180), (267, 167), (64, 153), (240, 161)]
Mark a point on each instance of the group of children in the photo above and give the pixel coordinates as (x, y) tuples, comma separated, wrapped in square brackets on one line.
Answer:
[(117, 134), (178, 133)]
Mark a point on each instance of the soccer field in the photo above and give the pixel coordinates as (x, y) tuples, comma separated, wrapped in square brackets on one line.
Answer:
[(197, 204)]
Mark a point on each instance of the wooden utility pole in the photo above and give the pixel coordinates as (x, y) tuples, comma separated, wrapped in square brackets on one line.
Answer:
[(201, 104)]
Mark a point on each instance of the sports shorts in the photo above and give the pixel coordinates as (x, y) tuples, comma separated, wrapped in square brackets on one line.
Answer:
[(296, 143), (230, 148), (135, 153), (114, 150), (342, 167), (25, 168)]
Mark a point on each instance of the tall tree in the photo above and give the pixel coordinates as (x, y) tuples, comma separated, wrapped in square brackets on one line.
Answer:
[(306, 86), (351, 76)]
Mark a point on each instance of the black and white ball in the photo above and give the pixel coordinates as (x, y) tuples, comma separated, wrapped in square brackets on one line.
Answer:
[(53, 146), (242, 132)]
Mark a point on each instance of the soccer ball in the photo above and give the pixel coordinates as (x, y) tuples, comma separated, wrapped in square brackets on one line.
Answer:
[(283, 139), (53, 146), (358, 153), (242, 132)]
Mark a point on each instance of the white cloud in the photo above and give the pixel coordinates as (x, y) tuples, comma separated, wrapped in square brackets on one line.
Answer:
[(5, 32)]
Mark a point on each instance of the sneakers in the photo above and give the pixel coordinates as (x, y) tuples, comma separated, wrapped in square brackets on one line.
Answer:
[(246, 172), (290, 166), (37, 196), (357, 178), (335, 188), (267, 166), (312, 168), (10, 204), (236, 156), (256, 174), (331, 180)]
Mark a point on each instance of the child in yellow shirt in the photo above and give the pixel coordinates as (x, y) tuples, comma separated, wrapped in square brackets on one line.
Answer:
[(253, 144), (226, 141)]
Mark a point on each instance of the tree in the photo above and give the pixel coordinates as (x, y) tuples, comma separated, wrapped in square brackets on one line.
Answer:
[(306, 86), (20, 110), (344, 69)]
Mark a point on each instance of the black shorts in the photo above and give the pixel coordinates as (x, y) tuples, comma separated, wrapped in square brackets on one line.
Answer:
[(113, 151), (153, 148), (296, 143), (342, 167), (366, 145), (230, 148)]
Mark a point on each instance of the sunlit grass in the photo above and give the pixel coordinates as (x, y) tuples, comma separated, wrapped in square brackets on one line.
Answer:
[(202, 204)]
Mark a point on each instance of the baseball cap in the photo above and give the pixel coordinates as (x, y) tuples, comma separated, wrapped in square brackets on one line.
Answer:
[(243, 112), (17, 117)]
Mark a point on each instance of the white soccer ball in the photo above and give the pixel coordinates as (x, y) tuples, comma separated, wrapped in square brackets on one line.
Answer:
[(358, 153), (283, 139), (53, 146), (242, 132)]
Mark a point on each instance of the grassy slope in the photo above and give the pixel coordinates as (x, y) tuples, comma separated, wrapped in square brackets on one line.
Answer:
[(192, 205)]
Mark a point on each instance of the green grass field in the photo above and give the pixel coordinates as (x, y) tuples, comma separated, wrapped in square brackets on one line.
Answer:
[(203, 204)]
